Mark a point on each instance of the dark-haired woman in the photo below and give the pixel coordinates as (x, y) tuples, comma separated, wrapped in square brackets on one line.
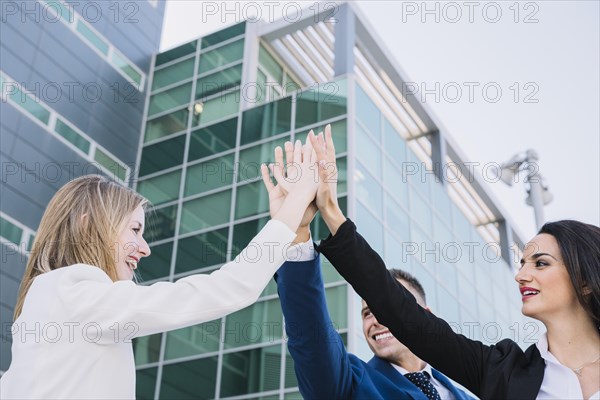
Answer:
[(559, 280)]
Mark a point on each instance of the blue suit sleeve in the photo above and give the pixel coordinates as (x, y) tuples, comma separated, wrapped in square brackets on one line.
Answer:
[(321, 362)]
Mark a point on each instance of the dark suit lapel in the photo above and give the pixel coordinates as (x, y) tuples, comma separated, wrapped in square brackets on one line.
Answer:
[(386, 369)]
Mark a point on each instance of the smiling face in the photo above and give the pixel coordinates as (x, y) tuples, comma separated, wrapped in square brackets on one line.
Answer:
[(544, 282), (131, 246), (380, 340)]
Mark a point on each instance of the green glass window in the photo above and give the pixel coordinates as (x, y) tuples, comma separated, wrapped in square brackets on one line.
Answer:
[(30, 105), (221, 56), (162, 155), (368, 113), (189, 380), (251, 199), (72, 135), (166, 125), (147, 349), (173, 73), (330, 274), (63, 12), (262, 322), (337, 305), (145, 383), (92, 37), (244, 232), (197, 339), (251, 371), (212, 139), (216, 108), (126, 66), (313, 106), (368, 190), (201, 251), (290, 374), (170, 99), (339, 132), (266, 120), (253, 157), (162, 223), (110, 163), (205, 212), (371, 228), (177, 52), (209, 175), (394, 143), (224, 34), (368, 152), (219, 81), (395, 181), (271, 66), (261, 87), (159, 265), (10, 231), (161, 189)]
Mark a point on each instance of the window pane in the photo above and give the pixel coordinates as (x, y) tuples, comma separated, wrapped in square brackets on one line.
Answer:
[(398, 220), (395, 182), (201, 251), (145, 383), (224, 34), (270, 65), (177, 52), (368, 113), (72, 135), (337, 305), (244, 232), (267, 120), (313, 106), (262, 322), (159, 265), (221, 56), (252, 158), (368, 190), (420, 211), (212, 139), (163, 155), (251, 371), (167, 124), (251, 199), (197, 339), (10, 231), (217, 108), (367, 151), (219, 82), (127, 67), (209, 175), (205, 212), (162, 224), (170, 99), (394, 143), (174, 73), (30, 105), (371, 228), (63, 12), (189, 380), (147, 349), (162, 188), (92, 37), (110, 163)]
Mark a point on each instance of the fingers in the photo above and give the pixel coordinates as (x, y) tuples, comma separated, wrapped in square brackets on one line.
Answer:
[(298, 151), (279, 160), (264, 170), (278, 175), (289, 154), (329, 144), (307, 149)]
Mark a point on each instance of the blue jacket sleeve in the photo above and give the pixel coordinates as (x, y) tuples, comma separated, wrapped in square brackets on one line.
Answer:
[(321, 362)]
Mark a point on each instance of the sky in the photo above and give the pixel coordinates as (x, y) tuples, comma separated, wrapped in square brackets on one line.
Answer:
[(508, 76)]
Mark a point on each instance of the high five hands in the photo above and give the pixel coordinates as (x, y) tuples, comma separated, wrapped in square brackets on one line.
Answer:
[(311, 165)]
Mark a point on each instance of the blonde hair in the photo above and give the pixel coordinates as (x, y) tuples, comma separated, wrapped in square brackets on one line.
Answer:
[(80, 225)]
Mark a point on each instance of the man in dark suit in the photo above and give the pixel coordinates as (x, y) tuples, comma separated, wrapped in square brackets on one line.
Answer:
[(325, 370)]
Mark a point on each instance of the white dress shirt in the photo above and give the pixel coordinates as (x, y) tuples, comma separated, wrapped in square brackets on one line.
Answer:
[(73, 337), (560, 382), (445, 393)]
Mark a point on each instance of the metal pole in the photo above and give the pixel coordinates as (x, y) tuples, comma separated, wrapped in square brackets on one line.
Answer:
[(536, 190)]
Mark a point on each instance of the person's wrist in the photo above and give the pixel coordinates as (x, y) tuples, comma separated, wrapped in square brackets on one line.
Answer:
[(334, 218), (302, 234)]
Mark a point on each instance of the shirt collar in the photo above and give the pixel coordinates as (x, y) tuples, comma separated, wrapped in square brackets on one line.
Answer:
[(404, 372), (542, 346)]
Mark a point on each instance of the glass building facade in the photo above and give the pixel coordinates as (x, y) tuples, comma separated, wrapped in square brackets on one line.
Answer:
[(218, 107), (210, 112)]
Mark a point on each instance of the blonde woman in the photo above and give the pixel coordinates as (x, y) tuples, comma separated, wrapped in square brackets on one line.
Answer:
[(78, 309)]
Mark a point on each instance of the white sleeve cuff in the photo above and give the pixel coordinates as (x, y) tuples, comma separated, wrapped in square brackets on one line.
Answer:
[(301, 251)]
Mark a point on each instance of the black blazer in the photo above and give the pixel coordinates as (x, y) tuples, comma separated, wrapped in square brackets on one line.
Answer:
[(502, 371)]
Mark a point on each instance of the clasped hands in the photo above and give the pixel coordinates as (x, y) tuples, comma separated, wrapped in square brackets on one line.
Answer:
[(308, 168)]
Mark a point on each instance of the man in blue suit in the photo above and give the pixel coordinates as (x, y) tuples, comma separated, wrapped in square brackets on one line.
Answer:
[(325, 370)]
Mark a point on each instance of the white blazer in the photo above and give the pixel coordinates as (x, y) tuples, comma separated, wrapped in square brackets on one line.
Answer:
[(73, 337)]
